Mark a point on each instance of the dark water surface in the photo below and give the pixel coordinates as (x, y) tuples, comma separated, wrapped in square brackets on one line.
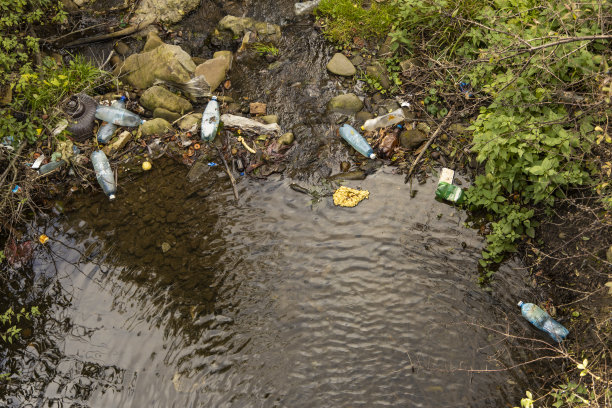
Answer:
[(272, 301)]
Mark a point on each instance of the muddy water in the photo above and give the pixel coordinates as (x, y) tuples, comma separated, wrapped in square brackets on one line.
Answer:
[(181, 297)]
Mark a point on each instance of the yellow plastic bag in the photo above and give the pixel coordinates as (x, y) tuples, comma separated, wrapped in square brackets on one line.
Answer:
[(349, 197)]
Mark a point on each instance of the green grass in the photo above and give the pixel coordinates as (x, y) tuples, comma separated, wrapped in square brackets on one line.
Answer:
[(263, 49), (343, 20)]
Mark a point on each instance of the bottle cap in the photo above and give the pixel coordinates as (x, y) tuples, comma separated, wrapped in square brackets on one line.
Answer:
[(372, 156), (214, 98), (111, 197), (520, 304)]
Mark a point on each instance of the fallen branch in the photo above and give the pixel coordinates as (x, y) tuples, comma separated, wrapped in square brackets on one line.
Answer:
[(229, 173), (121, 33), (429, 142)]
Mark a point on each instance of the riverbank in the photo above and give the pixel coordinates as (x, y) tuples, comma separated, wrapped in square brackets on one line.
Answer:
[(381, 78)]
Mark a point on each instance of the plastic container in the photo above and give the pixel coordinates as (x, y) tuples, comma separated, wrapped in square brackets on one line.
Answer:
[(542, 320), (104, 173), (118, 116), (210, 120), (355, 139), (106, 131), (389, 119), (447, 190), (49, 167)]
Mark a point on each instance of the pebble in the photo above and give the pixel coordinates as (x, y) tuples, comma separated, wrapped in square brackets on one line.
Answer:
[(435, 155)]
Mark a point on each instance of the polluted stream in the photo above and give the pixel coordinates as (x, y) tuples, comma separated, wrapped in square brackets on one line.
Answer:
[(180, 296)]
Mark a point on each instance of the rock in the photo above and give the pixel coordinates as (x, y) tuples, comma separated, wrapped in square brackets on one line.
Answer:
[(362, 116), (444, 137), (214, 71), (159, 97), (153, 41), (385, 49), (165, 247), (357, 60), (340, 65), (347, 103), (116, 61), (609, 254), (164, 11), (157, 126), (122, 48), (190, 122), (269, 119), (118, 144), (238, 26), (197, 170), (305, 7), (423, 127), (228, 55), (163, 113), (459, 129), (435, 155), (377, 71), (286, 139), (257, 108), (198, 60), (165, 62), (411, 139)]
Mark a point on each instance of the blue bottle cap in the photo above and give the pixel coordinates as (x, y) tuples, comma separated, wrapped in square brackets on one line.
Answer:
[(214, 98), (520, 304)]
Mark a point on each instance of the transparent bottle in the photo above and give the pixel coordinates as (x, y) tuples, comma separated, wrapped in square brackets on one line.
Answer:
[(210, 120), (389, 119), (49, 167), (355, 139), (542, 320), (107, 130), (117, 116), (104, 173)]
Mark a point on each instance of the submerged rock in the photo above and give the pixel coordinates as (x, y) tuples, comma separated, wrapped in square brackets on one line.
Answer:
[(347, 104), (159, 97), (340, 65), (165, 62)]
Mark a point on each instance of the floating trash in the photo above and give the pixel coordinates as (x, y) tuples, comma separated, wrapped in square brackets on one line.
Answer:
[(349, 197), (43, 239)]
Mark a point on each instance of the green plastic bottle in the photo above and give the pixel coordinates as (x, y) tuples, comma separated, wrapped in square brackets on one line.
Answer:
[(450, 192)]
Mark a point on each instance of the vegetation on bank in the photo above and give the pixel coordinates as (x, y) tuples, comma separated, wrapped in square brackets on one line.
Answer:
[(534, 79)]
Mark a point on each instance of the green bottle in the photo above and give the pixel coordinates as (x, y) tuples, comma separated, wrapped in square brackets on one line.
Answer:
[(450, 192)]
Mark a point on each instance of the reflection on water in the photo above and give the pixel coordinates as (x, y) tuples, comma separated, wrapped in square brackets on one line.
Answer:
[(181, 297)]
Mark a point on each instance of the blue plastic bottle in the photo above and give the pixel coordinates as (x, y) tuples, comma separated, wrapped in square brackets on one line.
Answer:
[(107, 130), (355, 139), (104, 173), (542, 320), (117, 116), (210, 120)]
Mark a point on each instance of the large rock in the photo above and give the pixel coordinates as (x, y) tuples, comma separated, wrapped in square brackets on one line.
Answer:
[(190, 122), (157, 126), (166, 62), (213, 71), (153, 41), (347, 104), (158, 97), (378, 72), (237, 26), (340, 65), (165, 11), (411, 139), (170, 116), (228, 55)]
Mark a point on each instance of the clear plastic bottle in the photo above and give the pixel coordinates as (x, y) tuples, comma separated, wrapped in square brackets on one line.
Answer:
[(355, 139), (542, 320), (210, 120), (49, 167), (389, 119), (117, 116), (107, 130), (104, 173)]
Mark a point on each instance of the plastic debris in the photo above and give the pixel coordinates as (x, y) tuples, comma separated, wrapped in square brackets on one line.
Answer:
[(250, 125), (210, 120), (43, 239), (349, 197), (104, 173), (106, 131), (16, 190), (389, 119), (355, 139), (447, 190), (212, 164), (542, 320), (466, 89), (49, 167), (118, 116), (246, 146)]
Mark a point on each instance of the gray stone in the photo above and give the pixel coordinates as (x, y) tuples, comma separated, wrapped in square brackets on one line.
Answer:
[(270, 119), (190, 122), (362, 116), (165, 11), (122, 48), (378, 72), (340, 65), (357, 60), (159, 97), (153, 41), (238, 26), (347, 104), (214, 71), (286, 139), (157, 126), (411, 139), (165, 62), (163, 113)]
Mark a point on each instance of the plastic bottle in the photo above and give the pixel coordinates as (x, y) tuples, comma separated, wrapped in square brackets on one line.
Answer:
[(355, 139), (104, 174), (210, 120), (118, 116), (49, 167), (389, 119), (542, 320), (107, 130)]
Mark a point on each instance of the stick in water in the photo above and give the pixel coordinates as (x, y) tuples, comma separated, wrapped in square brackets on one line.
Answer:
[(229, 173)]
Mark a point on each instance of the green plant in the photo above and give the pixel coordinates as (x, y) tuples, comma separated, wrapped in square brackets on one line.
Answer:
[(344, 20), (263, 49), (10, 333), (527, 402)]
